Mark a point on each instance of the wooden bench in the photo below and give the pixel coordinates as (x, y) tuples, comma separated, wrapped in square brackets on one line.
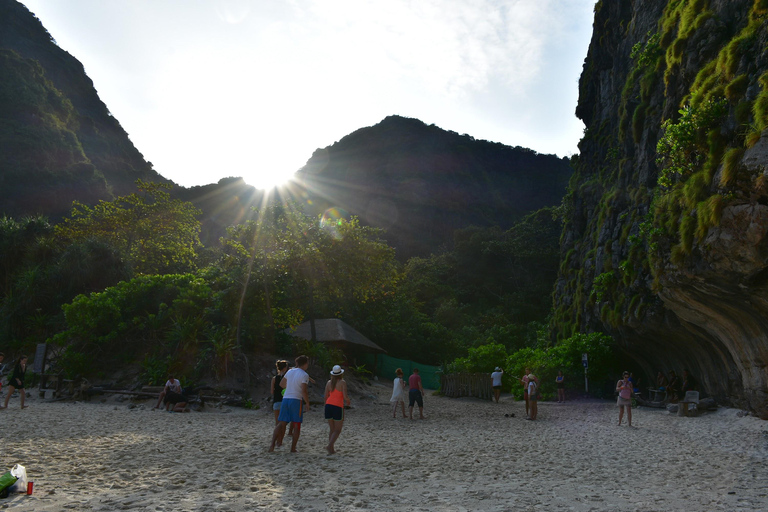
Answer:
[(657, 395), (56, 383), (691, 397)]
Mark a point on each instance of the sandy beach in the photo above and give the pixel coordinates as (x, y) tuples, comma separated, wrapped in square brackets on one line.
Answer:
[(467, 455)]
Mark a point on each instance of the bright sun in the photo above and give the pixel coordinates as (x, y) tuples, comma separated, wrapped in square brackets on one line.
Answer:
[(269, 180)]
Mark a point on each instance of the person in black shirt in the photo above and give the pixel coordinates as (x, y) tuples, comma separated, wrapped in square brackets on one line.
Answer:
[(17, 381)]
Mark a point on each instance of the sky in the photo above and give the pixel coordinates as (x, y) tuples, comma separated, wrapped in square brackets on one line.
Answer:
[(208, 89)]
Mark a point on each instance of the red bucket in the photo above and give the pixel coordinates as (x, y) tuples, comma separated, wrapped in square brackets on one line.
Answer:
[(30, 485)]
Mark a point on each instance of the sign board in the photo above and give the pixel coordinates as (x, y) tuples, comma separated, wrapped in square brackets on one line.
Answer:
[(584, 360), (38, 364)]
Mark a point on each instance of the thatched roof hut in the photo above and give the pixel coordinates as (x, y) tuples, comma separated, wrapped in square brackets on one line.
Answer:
[(336, 333)]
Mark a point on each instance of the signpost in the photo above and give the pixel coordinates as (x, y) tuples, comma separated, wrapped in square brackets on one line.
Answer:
[(585, 362)]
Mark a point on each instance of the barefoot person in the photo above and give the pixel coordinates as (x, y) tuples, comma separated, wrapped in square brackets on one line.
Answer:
[(172, 384), (415, 394), (275, 390), (335, 398), (398, 393), (496, 383), (17, 381), (524, 381), (560, 382), (295, 383), (533, 396), (624, 387)]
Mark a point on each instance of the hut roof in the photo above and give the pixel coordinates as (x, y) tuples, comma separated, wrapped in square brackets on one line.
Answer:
[(333, 330)]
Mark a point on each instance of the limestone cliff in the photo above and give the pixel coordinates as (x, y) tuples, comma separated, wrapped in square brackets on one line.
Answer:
[(665, 243)]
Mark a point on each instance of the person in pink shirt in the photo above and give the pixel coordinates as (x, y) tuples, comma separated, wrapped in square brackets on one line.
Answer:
[(415, 394), (624, 387)]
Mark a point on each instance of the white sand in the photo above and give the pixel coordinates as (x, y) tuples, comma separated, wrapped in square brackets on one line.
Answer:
[(465, 456)]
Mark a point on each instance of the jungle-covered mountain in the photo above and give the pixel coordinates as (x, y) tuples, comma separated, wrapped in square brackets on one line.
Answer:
[(127, 281), (59, 143), (665, 242), (58, 140), (421, 183)]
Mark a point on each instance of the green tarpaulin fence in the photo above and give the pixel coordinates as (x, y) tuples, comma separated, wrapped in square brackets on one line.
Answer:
[(385, 366)]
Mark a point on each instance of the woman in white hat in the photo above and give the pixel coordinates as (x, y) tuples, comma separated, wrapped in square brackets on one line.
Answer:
[(335, 398)]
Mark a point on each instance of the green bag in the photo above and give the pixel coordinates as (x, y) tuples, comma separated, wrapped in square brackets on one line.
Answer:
[(6, 481)]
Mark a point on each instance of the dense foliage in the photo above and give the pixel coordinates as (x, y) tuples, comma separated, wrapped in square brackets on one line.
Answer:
[(270, 272), (545, 361), (155, 233)]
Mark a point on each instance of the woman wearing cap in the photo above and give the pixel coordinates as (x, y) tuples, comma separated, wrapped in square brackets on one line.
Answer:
[(335, 398), (624, 387)]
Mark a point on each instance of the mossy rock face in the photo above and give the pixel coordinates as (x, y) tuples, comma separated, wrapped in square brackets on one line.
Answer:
[(709, 52)]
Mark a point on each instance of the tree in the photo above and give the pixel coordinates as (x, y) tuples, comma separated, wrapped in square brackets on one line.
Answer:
[(155, 233), (299, 264)]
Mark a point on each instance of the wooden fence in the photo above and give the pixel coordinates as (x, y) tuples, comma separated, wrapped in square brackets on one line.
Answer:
[(477, 385)]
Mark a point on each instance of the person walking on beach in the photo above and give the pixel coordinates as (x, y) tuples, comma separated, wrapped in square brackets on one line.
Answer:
[(624, 387), (277, 391), (398, 393), (17, 381), (496, 383), (291, 411), (335, 398), (415, 394), (560, 382), (533, 396)]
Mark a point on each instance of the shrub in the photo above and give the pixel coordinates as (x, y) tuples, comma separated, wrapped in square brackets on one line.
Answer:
[(730, 166), (565, 356)]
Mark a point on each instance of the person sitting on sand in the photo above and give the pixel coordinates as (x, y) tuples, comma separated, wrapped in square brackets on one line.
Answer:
[(533, 396), (17, 381), (295, 383), (415, 394), (335, 398), (496, 383), (172, 384), (624, 387), (176, 402), (398, 393), (661, 381)]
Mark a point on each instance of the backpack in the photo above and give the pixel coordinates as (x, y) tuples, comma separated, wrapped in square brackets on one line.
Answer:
[(6, 481)]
